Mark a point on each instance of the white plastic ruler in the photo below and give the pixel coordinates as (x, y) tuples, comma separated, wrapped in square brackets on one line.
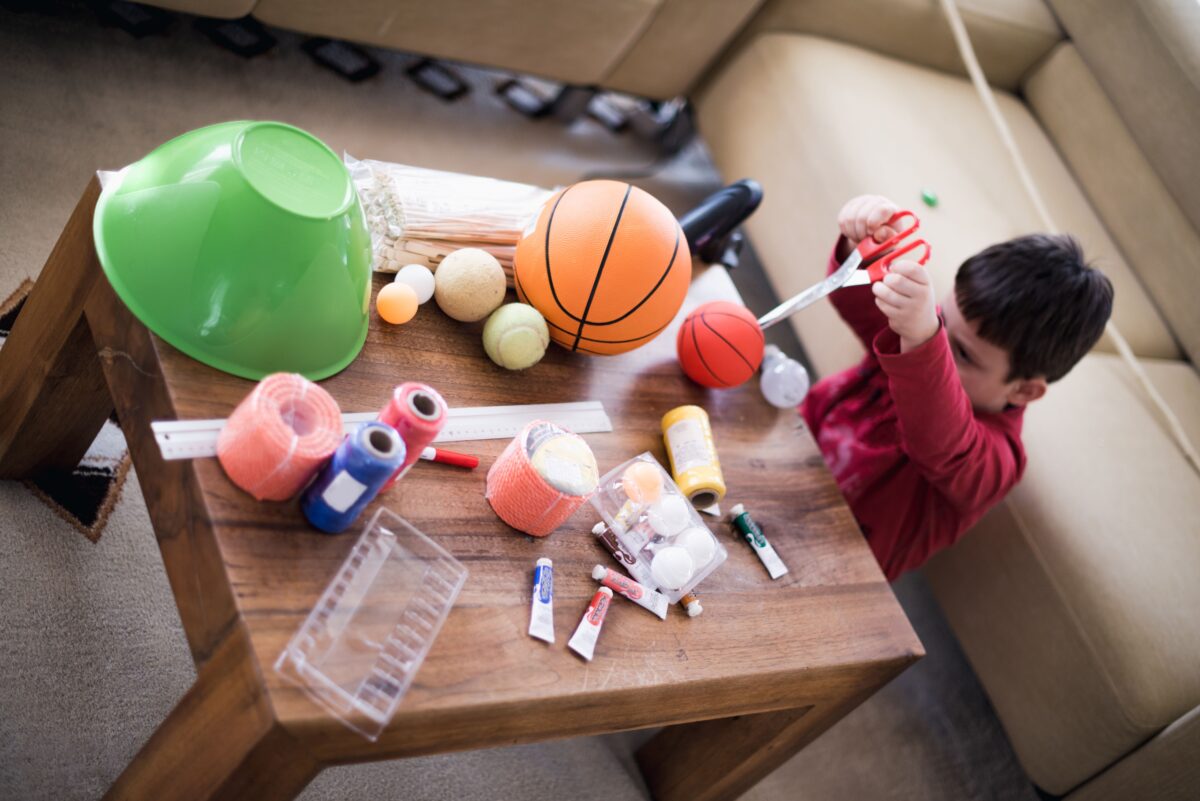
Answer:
[(195, 439)]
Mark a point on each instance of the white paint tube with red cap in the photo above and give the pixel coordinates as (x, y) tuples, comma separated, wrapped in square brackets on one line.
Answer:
[(654, 602), (583, 641)]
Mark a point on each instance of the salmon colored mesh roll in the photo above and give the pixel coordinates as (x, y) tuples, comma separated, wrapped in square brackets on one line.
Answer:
[(279, 436), (525, 498)]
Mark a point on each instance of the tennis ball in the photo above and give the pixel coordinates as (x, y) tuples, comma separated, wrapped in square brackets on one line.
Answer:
[(515, 336), (396, 303), (419, 278), (469, 284)]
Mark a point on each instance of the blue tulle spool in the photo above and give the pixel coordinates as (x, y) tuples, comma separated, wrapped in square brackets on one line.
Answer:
[(353, 477)]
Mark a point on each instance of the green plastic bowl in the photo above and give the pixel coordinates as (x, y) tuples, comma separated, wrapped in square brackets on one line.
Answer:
[(243, 245)]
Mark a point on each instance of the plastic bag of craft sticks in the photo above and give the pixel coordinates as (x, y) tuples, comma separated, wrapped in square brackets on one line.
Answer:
[(419, 216)]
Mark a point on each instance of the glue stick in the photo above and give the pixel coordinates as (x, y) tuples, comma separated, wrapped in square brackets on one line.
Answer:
[(693, 455)]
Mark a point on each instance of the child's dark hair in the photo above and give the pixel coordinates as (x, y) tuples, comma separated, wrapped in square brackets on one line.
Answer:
[(1037, 298)]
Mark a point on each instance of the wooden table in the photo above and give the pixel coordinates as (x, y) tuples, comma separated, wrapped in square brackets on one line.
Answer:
[(765, 669)]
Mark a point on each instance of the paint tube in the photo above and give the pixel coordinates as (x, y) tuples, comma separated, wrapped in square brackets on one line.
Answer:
[(541, 615), (691, 603), (751, 532), (639, 570), (648, 599), (583, 641)]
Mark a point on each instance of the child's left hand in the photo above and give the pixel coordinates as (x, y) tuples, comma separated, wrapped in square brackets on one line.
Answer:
[(905, 296)]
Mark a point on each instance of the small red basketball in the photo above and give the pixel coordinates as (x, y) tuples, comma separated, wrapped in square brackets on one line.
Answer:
[(720, 345)]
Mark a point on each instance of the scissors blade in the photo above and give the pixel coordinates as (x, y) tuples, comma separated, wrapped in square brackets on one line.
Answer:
[(834, 280), (859, 278)]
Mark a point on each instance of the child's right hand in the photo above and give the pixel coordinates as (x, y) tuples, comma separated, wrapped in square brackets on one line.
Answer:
[(863, 216)]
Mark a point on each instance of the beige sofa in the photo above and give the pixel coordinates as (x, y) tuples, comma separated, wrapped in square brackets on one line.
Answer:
[(1078, 600)]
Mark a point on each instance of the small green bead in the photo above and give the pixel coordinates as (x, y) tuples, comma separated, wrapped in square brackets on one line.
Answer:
[(930, 197)]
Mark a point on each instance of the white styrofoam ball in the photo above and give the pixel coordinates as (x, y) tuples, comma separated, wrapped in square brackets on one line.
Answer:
[(698, 542), (419, 278), (668, 515), (672, 567)]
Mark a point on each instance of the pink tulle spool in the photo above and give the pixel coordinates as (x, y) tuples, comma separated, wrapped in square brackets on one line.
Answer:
[(418, 413), (279, 436), (521, 497)]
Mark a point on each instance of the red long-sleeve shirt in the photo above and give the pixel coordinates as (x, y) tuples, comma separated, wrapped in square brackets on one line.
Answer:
[(917, 464)]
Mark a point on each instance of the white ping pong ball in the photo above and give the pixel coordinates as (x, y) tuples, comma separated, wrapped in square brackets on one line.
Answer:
[(419, 278)]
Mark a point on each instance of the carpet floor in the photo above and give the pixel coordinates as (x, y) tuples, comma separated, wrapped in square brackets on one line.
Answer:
[(94, 655)]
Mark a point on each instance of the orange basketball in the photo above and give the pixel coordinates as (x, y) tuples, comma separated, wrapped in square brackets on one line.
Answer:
[(606, 264), (720, 344)]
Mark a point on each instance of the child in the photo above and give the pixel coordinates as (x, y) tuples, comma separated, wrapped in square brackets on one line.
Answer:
[(924, 435)]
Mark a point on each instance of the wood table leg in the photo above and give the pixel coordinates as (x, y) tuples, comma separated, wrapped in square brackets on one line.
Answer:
[(182, 522), (53, 397), (719, 760), (220, 742)]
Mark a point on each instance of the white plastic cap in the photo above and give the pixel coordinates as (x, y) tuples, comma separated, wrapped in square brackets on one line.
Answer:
[(606, 591), (737, 509), (599, 528), (598, 572), (544, 562), (694, 609)]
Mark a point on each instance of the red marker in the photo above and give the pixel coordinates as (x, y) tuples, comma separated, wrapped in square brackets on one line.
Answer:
[(455, 458)]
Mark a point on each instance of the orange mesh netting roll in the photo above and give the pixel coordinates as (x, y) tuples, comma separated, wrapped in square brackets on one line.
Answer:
[(541, 478), (278, 436)]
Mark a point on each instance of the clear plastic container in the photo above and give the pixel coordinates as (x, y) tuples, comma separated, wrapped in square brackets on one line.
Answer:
[(655, 522), (365, 640)]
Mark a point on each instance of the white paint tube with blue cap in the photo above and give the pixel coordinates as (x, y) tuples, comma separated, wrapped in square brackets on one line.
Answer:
[(541, 616)]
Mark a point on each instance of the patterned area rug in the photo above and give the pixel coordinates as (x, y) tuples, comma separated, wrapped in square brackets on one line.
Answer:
[(85, 496)]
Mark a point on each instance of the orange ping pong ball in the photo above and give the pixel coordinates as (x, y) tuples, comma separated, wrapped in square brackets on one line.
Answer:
[(396, 303), (642, 482)]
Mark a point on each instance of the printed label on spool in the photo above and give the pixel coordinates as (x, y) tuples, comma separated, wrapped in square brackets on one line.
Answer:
[(343, 491), (561, 473), (562, 459), (688, 446)]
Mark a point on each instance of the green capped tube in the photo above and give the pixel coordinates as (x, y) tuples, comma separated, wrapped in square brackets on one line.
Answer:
[(752, 534)]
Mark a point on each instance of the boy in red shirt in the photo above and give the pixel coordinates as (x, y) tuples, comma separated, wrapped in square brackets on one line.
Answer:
[(924, 435)]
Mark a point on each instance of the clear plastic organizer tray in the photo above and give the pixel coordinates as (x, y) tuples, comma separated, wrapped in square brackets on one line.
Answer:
[(655, 522), (365, 640)]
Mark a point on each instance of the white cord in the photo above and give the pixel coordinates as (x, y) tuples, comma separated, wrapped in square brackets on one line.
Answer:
[(989, 101)]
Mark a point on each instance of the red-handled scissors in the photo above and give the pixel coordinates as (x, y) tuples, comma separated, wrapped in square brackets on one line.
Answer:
[(876, 257)]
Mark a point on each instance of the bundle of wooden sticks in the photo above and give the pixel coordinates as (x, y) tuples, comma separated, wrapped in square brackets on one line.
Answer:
[(420, 216)]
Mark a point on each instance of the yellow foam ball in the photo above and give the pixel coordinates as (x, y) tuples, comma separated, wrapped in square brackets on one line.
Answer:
[(469, 284), (642, 482), (396, 303)]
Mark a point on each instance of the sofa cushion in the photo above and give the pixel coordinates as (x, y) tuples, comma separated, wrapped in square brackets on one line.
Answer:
[(673, 51), (817, 122), (1076, 599), (1164, 769), (1146, 55), (222, 9), (1009, 35), (1154, 234), (577, 41)]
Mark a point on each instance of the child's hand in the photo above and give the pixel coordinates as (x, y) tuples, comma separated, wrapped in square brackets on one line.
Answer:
[(863, 216), (905, 296)]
